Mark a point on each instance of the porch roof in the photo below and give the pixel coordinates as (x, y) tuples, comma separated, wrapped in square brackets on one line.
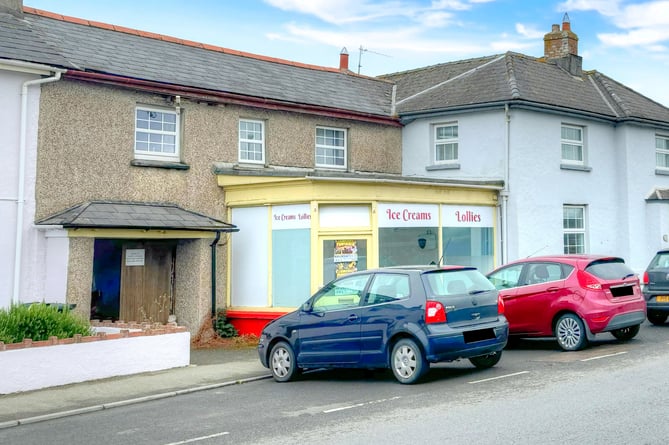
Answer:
[(134, 215)]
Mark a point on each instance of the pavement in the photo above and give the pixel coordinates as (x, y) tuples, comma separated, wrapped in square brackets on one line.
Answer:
[(209, 368)]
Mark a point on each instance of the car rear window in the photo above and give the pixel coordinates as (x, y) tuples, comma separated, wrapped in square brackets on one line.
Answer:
[(609, 269), (660, 261), (456, 282)]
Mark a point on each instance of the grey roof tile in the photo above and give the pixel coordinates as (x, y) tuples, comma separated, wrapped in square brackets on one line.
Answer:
[(77, 45), (140, 215), (514, 77)]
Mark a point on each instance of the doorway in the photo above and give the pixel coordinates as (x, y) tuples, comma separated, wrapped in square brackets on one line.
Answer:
[(133, 280)]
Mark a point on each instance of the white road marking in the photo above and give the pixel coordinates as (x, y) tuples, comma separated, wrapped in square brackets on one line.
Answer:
[(603, 356), (197, 439), (498, 377), (358, 405)]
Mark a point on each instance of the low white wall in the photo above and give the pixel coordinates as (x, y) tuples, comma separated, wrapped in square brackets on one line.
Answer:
[(42, 367)]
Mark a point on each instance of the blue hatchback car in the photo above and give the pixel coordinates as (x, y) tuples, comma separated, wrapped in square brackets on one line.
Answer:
[(402, 318)]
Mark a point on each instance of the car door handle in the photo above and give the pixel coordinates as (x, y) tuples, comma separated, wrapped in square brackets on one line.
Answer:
[(352, 317), (552, 289)]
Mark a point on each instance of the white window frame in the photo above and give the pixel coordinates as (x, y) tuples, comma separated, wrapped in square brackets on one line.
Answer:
[(662, 152), (577, 229), (452, 140), (159, 133), (322, 148), (580, 143), (256, 142)]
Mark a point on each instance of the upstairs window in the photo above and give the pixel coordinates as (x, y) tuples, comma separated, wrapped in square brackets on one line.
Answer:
[(330, 147), (573, 224), (156, 134), (251, 141), (446, 143), (662, 152), (572, 145)]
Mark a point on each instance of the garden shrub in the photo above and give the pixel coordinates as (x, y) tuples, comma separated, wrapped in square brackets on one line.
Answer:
[(39, 321)]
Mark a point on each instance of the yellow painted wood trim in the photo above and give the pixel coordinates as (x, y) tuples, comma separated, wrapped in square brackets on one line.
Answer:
[(259, 192), (139, 234)]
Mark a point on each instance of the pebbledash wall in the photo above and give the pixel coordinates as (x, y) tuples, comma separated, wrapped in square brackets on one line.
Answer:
[(312, 230), (117, 349)]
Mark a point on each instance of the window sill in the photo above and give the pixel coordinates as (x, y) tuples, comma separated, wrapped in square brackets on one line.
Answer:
[(662, 172), (435, 167), (580, 168), (159, 164)]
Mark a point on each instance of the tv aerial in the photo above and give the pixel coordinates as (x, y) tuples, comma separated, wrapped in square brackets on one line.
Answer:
[(362, 50)]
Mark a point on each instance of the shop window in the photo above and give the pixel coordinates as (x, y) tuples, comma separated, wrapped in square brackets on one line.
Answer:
[(399, 246), (468, 246), (291, 267)]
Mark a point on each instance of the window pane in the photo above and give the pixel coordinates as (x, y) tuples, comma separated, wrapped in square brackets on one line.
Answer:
[(662, 159), (574, 243), (330, 147), (572, 152), (572, 133), (156, 132), (573, 218)]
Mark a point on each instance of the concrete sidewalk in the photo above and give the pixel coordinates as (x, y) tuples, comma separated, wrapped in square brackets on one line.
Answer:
[(210, 368)]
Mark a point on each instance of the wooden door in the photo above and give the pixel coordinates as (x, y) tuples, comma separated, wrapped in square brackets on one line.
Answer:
[(146, 281)]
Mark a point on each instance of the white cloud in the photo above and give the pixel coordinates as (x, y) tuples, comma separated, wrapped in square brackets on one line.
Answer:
[(605, 7), (530, 33)]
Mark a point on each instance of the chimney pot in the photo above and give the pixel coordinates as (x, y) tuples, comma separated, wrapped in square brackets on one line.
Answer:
[(343, 59)]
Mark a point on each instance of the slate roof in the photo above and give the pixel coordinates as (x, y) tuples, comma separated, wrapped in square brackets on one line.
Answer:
[(519, 79), (72, 43), (134, 215)]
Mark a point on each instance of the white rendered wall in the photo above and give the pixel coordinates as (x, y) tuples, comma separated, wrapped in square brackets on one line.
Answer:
[(64, 364), (621, 161), (33, 280)]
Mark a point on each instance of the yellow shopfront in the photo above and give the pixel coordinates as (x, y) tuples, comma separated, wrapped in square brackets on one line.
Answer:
[(295, 235)]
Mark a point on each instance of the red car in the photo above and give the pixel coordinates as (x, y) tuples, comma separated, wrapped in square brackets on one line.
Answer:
[(570, 297)]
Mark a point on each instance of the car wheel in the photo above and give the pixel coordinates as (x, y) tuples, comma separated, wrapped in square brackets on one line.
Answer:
[(627, 333), (570, 333), (657, 318), (407, 361), (282, 362), (486, 361)]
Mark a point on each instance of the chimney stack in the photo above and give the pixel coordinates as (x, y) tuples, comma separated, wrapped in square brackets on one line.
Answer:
[(343, 59), (562, 43), (561, 48), (13, 7)]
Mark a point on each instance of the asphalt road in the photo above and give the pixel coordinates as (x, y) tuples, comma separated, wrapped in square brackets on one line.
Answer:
[(610, 393)]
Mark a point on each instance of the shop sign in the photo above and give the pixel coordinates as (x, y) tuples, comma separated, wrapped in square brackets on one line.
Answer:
[(291, 217), (467, 216), (408, 215)]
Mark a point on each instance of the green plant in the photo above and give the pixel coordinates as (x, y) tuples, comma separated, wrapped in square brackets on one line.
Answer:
[(222, 326), (40, 321)]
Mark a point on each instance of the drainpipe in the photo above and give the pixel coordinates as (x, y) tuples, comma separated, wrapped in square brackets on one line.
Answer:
[(505, 191), (213, 273), (20, 199)]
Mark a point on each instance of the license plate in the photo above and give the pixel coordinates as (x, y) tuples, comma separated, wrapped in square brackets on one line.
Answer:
[(662, 298)]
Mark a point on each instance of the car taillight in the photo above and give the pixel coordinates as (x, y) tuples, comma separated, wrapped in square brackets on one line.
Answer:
[(588, 281), (500, 306), (645, 278), (434, 312)]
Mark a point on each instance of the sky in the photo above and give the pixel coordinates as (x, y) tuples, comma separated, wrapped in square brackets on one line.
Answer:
[(627, 40)]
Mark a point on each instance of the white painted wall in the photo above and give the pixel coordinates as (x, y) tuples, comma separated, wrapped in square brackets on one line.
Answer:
[(35, 284), (64, 364), (621, 176)]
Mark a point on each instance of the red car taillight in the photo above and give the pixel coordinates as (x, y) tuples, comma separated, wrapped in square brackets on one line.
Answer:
[(434, 312), (645, 279), (588, 281), (500, 306)]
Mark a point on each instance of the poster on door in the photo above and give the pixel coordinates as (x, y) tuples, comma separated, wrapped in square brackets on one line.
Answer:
[(345, 257)]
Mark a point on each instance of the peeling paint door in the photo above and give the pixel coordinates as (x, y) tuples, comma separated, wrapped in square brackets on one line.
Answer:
[(147, 272)]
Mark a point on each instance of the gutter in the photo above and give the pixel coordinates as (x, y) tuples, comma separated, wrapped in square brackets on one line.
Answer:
[(20, 198)]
